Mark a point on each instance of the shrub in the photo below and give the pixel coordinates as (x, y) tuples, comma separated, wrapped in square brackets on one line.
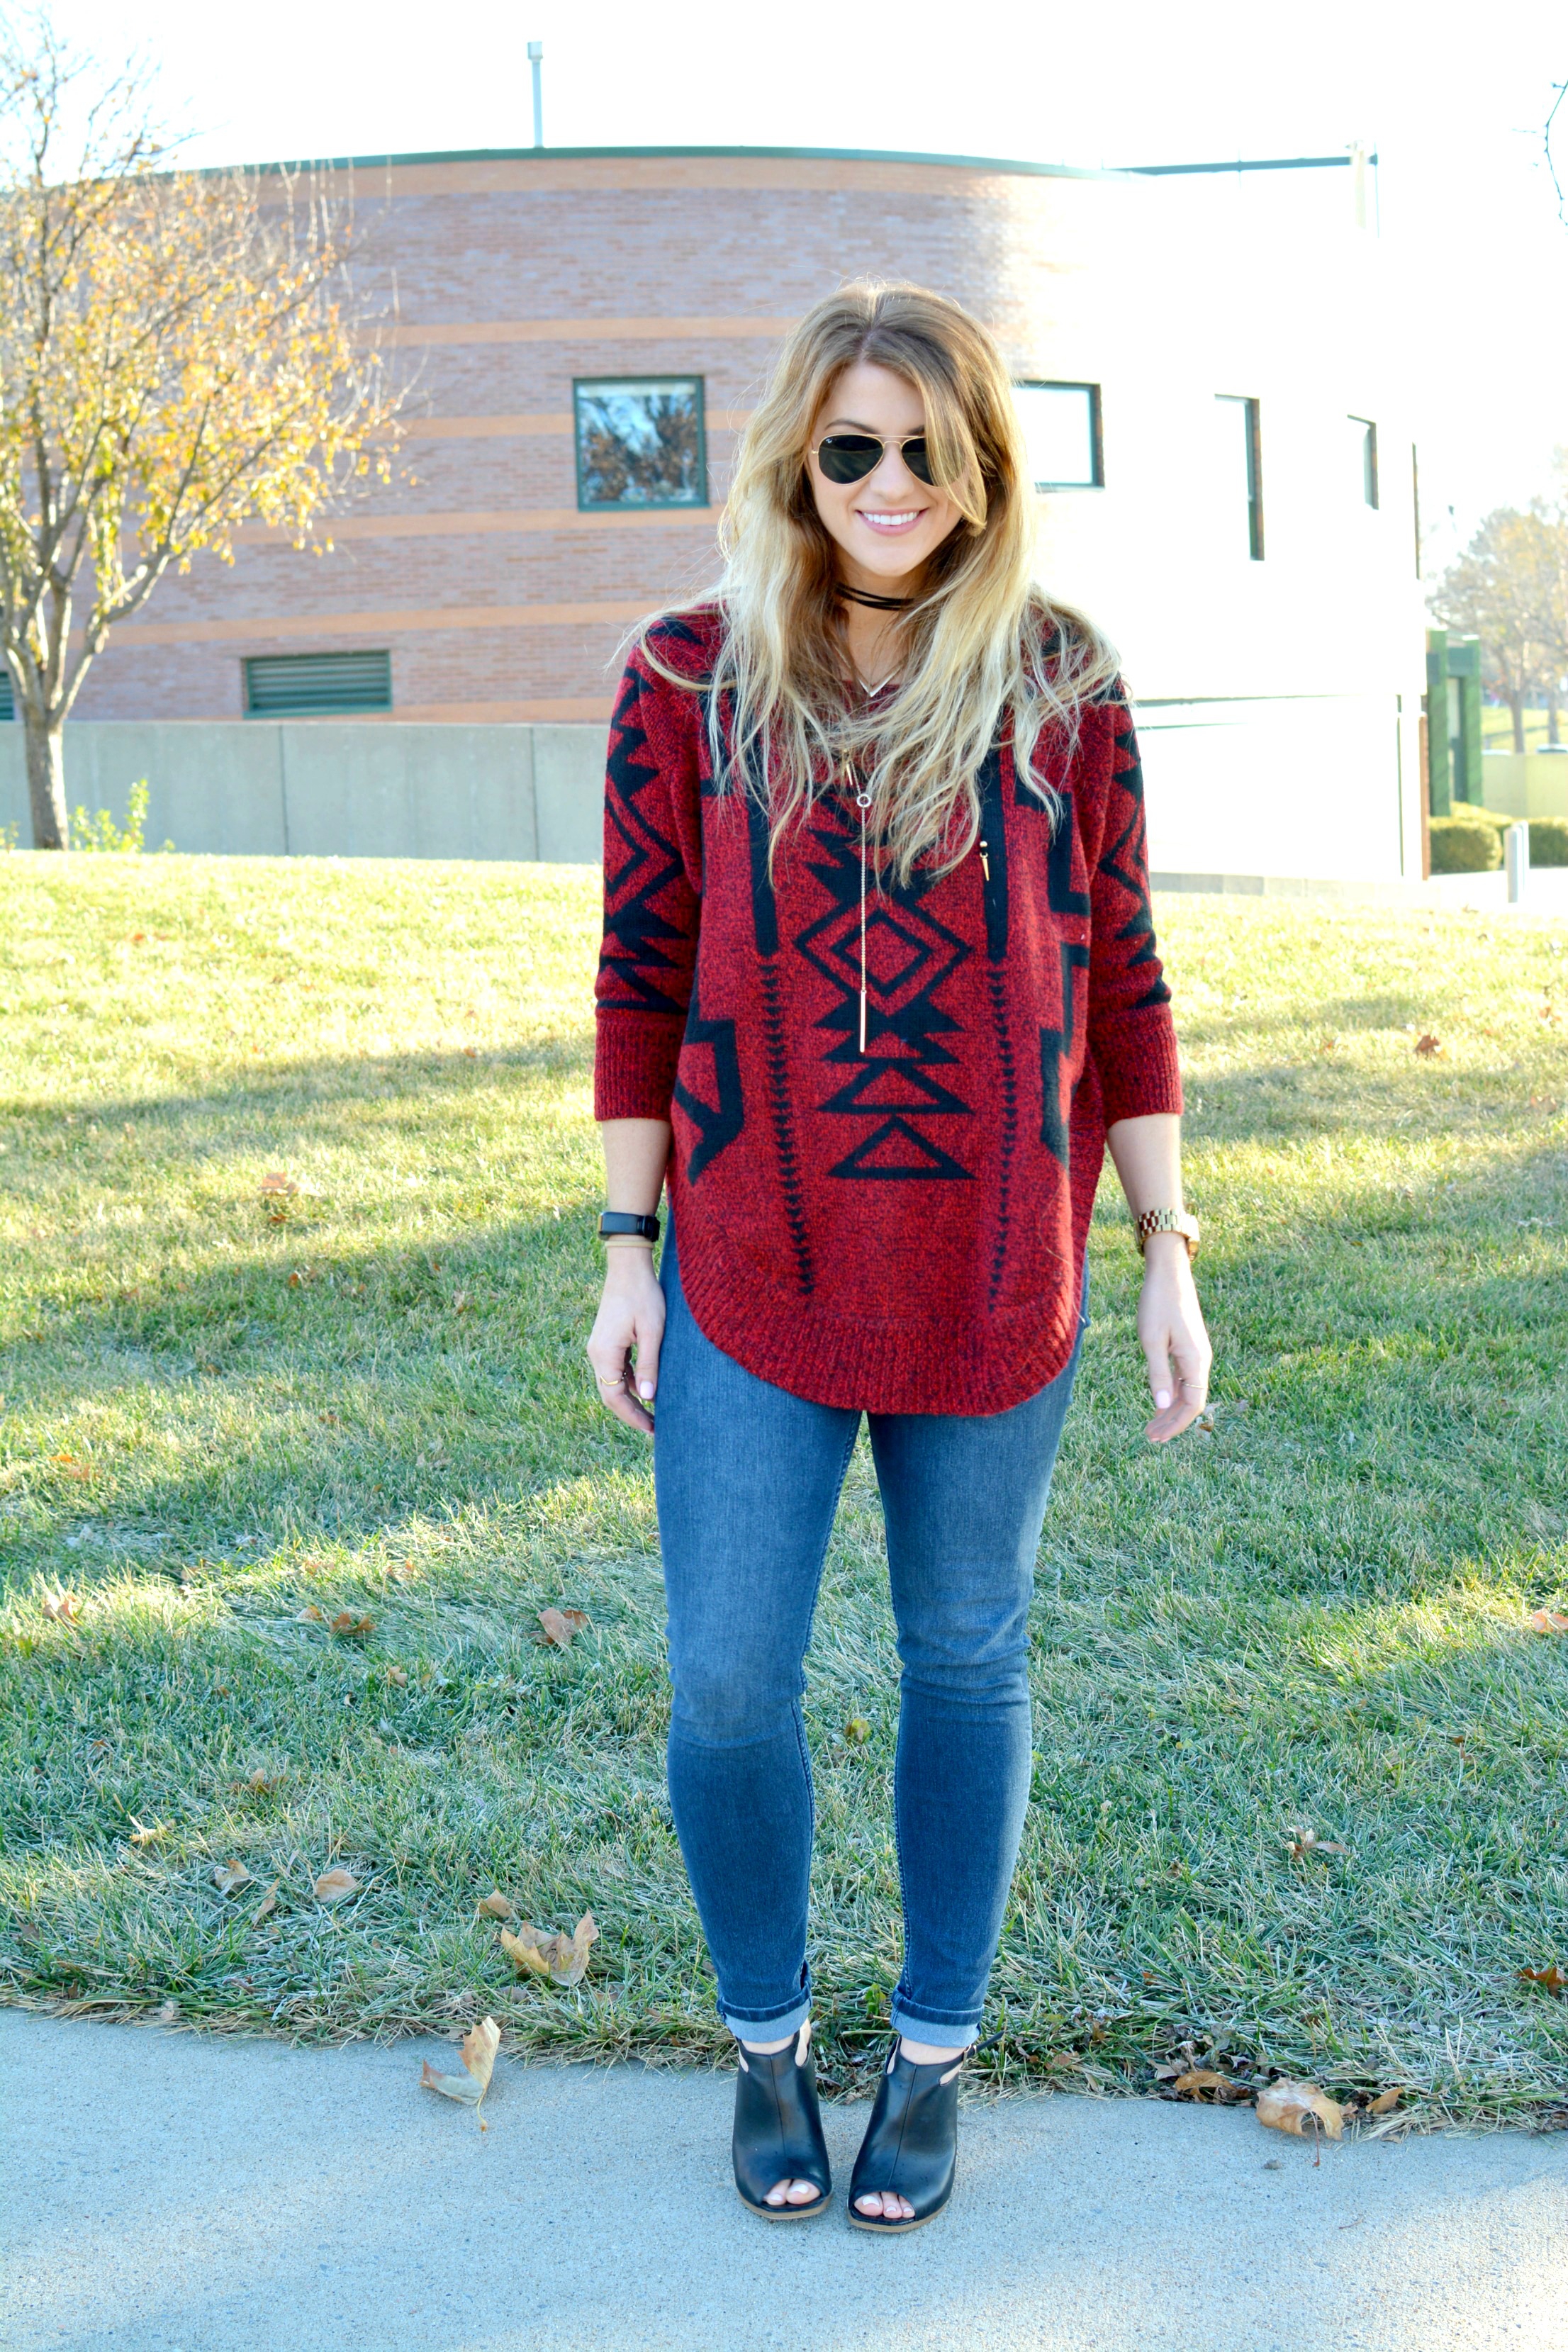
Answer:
[(1549, 841), (1470, 844)]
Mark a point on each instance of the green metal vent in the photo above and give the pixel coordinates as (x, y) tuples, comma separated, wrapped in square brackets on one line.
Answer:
[(7, 698), (316, 685)]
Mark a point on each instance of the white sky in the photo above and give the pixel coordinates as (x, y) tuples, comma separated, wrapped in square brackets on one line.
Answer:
[(1453, 97)]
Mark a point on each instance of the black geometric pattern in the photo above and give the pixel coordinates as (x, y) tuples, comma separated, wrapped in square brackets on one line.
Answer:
[(1126, 862), (909, 957), (639, 863), (1056, 1049), (719, 1122)]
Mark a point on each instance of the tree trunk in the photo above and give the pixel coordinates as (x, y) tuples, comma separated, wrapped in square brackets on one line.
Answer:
[(46, 783), (1516, 712)]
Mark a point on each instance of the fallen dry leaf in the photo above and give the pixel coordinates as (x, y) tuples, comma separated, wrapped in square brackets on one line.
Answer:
[(1550, 1979), (168, 2013), (1303, 1841), (1548, 1620), (561, 1625), (310, 1615), (267, 1905), (275, 1185), (1385, 2103), (479, 2056), (563, 1958), (856, 1731), (229, 1875), (350, 1628), (398, 1675), (496, 1904), (1199, 2079), (526, 1950), (71, 1465), (336, 1887), (62, 1606), (1301, 2108), (148, 1832), (1428, 1046)]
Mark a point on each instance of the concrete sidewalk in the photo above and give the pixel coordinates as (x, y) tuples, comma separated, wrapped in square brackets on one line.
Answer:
[(170, 2192)]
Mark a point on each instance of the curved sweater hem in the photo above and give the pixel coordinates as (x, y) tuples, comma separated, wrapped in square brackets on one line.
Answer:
[(915, 1366)]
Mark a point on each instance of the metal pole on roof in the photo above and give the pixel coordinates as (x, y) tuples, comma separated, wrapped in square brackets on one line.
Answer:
[(535, 60)]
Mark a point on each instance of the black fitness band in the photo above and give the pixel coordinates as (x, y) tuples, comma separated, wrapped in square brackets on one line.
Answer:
[(622, 1221)]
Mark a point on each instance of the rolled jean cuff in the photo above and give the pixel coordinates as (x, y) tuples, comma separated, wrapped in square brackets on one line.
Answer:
[(941, 2029), (776, 2025)]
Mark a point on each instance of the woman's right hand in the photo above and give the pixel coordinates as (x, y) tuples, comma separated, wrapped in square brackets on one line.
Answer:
[(630, 1321)]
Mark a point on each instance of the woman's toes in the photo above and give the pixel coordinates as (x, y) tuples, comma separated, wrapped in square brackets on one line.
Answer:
[(801, 2192), (779, 2193)]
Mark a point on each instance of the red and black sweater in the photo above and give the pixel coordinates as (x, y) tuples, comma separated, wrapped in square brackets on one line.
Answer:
[(902, 1229)]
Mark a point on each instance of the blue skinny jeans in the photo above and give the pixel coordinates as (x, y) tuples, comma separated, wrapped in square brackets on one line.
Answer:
[(748, 1479)]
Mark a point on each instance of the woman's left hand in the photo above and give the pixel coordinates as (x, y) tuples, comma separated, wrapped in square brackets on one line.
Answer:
[(1174, 1341)]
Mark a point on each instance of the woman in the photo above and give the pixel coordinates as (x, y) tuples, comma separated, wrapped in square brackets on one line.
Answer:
[(879, 984)]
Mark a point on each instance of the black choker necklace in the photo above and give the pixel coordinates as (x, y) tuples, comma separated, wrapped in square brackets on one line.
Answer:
[(876, 603)]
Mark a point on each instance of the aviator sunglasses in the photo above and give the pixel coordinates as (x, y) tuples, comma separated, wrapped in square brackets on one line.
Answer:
[(850, 456)]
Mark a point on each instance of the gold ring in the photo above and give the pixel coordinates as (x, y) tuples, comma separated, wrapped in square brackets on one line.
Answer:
[(605, 1381)]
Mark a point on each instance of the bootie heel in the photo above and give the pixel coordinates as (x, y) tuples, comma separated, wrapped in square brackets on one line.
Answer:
[(910, 2147), (778, 2129)]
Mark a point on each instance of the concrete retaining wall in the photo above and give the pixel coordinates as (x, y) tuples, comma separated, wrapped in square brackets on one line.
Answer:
[(1241, 795), (1524, 783), (337, 788)]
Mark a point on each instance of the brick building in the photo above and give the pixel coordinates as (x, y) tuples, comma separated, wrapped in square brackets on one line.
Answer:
[(1223, 451)]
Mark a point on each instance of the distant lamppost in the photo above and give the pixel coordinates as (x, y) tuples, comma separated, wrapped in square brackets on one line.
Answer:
[(535, 61)]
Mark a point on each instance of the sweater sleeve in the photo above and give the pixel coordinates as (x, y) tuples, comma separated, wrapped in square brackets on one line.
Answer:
[(1132, 1035), (652, 896)]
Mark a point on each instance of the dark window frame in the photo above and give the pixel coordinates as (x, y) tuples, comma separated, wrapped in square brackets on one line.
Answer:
[(303, 664), (1253, 421), (581, 384), (1095, 425)]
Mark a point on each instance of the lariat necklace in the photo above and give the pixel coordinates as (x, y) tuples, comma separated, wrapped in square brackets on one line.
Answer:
[(863, 803)]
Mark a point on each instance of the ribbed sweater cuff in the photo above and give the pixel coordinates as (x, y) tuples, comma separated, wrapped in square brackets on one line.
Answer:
[(1139, 1073), (633, 1064)]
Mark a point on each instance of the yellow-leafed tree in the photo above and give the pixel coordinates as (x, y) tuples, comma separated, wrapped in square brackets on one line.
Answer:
[(181, 352)]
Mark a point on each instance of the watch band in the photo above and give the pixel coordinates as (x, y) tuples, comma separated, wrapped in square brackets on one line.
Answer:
[(622, 1221), (1168, 1221)]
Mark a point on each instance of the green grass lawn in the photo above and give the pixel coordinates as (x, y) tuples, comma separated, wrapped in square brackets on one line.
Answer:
[(1315, 1617), (1497, 728)]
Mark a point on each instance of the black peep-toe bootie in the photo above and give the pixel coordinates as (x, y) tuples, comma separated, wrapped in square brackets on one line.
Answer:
[(778, 2129), (910, 2147)]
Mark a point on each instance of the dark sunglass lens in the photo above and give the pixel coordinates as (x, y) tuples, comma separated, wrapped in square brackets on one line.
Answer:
[(917, 458), (849, 456)]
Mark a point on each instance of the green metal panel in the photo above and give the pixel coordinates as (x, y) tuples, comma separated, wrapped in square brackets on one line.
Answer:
[(1465, 669), (317, 685), (7, 698), (1440, 776)]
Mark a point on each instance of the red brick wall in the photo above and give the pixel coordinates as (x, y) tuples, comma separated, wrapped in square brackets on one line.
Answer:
[(497, 599)]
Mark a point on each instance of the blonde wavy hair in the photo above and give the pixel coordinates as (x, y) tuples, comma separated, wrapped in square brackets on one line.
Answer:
[(984, 644)]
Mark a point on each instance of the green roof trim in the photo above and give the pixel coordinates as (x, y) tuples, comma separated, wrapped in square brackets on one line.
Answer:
[(600, 154)]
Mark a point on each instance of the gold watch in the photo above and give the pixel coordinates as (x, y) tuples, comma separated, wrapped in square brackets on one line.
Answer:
[(1168, 1221)]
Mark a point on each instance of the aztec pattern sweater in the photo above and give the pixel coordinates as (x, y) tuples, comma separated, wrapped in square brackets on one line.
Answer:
[(900, 1229)]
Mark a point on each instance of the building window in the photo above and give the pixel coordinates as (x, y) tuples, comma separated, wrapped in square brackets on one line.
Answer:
[(640, 442), (1061, 428), (1363, 457), (1241, 451), (316, 685)]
